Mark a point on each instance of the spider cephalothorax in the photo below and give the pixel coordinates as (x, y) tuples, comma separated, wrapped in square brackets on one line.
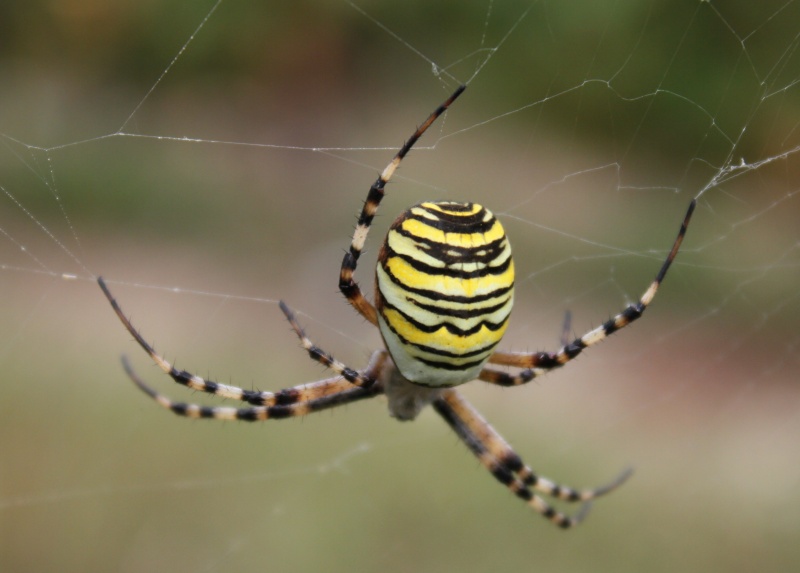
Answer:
[(444, 291)]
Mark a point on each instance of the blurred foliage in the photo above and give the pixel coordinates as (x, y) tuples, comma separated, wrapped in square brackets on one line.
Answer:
[(663, 89), (329, 46)]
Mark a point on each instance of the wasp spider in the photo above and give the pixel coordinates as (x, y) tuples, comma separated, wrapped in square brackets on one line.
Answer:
[(443, 296)]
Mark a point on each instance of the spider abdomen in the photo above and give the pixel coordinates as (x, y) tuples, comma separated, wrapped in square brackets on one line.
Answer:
[(444, 291)]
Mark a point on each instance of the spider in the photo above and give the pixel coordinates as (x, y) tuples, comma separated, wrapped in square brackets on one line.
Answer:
[(443, 294)]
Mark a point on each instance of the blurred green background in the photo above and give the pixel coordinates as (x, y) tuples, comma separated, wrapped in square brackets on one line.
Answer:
[(207, 193)]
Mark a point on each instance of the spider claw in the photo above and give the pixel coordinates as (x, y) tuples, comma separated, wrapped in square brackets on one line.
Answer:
[(286, 310), (590, 494), (291, 317), (582, 514), (616, 482), (126, 365)]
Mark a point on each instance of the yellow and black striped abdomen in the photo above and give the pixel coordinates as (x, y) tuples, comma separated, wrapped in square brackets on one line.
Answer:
[(444, 291)]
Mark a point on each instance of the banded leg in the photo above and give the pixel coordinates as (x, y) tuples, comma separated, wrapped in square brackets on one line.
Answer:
[(187, 378), (538, 363), (496, 455), (317, 354), (345, 393), (347, 284), (255, 397)]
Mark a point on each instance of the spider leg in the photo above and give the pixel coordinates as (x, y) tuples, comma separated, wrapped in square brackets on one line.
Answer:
[(538, 363), (343, 394), (285, 397), (324, 358), (347, 284), (565, 328), (496, 455), (187, 378)]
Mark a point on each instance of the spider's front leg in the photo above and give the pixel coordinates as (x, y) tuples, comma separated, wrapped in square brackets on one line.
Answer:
[(537, 363), (324, 358), (188, 379), (294, 401), (497, 456), (318, 396), (347, 285)]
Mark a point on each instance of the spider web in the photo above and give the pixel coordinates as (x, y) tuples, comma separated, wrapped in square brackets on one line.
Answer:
[(207, 159)]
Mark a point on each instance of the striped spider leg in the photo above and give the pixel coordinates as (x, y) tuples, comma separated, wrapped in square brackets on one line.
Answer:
[(348, 287), (538, 363), (348, 386), (496, 455)]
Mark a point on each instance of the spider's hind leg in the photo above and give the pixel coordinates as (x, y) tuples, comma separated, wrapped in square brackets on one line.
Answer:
[(497, 456)]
